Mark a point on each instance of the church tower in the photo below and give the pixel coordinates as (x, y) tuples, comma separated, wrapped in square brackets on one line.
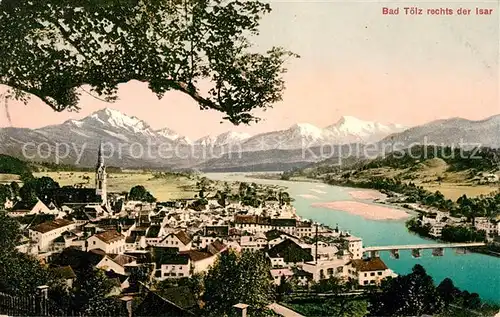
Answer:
[(100, 178)]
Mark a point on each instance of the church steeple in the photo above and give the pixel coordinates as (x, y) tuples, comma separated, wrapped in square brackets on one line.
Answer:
[(101, 177), (100, 160)]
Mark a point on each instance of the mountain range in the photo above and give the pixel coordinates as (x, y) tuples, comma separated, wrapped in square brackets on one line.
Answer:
[(130, 142)]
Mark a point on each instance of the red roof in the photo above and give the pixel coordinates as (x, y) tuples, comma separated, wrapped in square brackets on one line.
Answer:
[(110, 236), (52, 225), (372, 264)]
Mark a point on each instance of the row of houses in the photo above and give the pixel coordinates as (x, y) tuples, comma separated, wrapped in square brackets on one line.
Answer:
[(181, 251), (438, 220)]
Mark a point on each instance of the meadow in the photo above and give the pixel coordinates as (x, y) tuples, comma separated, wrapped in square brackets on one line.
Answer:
[(166, 187)]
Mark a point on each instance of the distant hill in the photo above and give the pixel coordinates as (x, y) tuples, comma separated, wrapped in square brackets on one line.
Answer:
[(481, 159), (12, 165), (456, 132)]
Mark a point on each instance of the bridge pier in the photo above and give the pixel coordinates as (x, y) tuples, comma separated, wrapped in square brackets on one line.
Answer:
[(416, 253), (438, 252), (395, 254), (460, 250), (374, 254)]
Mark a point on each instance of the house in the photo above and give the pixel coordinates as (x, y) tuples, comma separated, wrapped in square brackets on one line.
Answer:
[(488, 225), (119, 281), (437, 229), (22, 208), (253, 242), (252, 223), (302, 277), (324, 250), (305, 229), (369, 271), (280, 275), (288, 253), (154, 305), (285, 225), (66, 273), (324, 269), (201, 260), (154, 234), (110, 241), (355, 246), (80, 260), (136, 239), (180, 240), (45, 233), (170, 264), (275, 237)]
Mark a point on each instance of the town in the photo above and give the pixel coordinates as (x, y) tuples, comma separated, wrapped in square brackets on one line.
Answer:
[(179, 239)]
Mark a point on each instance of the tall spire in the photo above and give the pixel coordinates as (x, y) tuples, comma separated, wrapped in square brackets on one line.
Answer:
[(100, 160)]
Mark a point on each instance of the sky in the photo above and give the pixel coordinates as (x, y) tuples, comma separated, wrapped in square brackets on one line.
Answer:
[(354, 61)]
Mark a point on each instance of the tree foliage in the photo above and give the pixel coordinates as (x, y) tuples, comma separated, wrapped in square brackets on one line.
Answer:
[(139, 192), (408, 295), (20, 274), (91, 293), (237, 278), (51, 49)]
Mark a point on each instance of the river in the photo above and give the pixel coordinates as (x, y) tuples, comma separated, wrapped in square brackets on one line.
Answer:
[(473, 272)]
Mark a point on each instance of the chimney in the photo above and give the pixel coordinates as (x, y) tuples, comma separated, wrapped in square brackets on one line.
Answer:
[(241, 309)]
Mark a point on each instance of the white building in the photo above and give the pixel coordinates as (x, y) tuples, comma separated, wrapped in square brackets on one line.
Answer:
[(486, 224), (253, 243), (45, 233), (180, 240), (111, 242), (369, 271), (21, 209), (324, 269), (355, 246), (279, 275), (174, 266)]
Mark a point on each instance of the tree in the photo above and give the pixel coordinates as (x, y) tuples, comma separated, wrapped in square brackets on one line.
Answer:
[(20, 274), (91, 293), (44, 186), (139, 192), (221, 198), (5, 194), (408, 295), (28, 193), (51, 49), (285, 288), (447, 291), (237, 278), (14, 186), (9, 232)]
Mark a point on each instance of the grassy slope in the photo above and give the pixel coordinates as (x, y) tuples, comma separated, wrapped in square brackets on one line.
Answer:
[(453, 184)]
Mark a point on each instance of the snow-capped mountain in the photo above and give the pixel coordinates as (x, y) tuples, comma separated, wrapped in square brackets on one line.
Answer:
[(304, 135), (277, 149), (227, 138), (168, 133), (349, 129)]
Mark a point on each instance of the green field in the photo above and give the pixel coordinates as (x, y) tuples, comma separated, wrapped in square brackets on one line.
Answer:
[(164, 188)]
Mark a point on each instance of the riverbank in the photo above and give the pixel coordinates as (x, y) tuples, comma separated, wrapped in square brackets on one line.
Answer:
[(367, 211), (473, 272)]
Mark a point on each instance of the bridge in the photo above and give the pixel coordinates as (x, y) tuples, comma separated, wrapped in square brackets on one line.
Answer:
[(438, 248)]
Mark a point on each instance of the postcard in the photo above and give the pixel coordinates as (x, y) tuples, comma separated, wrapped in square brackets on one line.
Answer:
[(249, 158)]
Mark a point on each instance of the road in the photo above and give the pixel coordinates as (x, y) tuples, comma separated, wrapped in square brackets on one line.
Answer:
[(283, 311)]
